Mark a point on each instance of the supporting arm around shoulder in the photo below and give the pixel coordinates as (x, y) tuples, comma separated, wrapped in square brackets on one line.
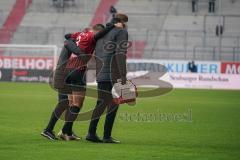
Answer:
[(73, 48), (103, 32)]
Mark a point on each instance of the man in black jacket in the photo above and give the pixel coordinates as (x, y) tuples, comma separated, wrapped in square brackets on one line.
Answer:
[(113, 11), (111, 66), (211, 6), (63, 81), (194, 6)]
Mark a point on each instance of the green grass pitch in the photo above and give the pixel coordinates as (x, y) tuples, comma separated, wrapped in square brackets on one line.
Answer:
[(212, 132)]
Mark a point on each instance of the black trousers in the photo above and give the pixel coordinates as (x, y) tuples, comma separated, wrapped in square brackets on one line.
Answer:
[(104, 101)]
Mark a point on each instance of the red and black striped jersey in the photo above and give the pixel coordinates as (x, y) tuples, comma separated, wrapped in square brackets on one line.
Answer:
[(86, 42)]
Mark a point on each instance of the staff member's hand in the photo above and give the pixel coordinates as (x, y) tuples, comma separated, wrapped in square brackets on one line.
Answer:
[(124, 80)]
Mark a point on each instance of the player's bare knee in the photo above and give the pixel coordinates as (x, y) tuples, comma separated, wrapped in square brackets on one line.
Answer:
[(70, 100)]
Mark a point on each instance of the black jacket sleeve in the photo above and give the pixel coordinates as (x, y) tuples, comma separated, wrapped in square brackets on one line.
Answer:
[(73, 48), (103, 32), (68, 36), (121, 50)]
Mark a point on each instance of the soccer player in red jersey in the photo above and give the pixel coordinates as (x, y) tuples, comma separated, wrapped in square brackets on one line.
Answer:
[(71, 74)]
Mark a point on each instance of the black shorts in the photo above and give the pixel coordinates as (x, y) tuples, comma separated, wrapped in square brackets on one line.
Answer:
[(67, 80), (76, 79)]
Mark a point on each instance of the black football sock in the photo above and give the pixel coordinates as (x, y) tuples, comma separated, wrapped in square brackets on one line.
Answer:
[(56, 114), (71, 117), (109, 121)]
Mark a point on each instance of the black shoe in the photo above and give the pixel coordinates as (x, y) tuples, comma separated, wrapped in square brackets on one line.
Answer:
[(49, 135), (93, 138), (110, 140)]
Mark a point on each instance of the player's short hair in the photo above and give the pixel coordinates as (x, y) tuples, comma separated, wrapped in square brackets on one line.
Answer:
[(98, 27), (122, 17)]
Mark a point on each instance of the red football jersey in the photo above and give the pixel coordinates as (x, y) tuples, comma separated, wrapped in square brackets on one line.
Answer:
[(86, 42)]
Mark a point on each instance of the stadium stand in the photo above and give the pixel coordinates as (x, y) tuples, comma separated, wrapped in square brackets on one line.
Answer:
[(5, 7), (46, 22), (165, 29), (13, 19)]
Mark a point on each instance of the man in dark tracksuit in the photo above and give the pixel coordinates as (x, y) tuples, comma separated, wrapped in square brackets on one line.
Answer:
[(111, 66), (63, 80)]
